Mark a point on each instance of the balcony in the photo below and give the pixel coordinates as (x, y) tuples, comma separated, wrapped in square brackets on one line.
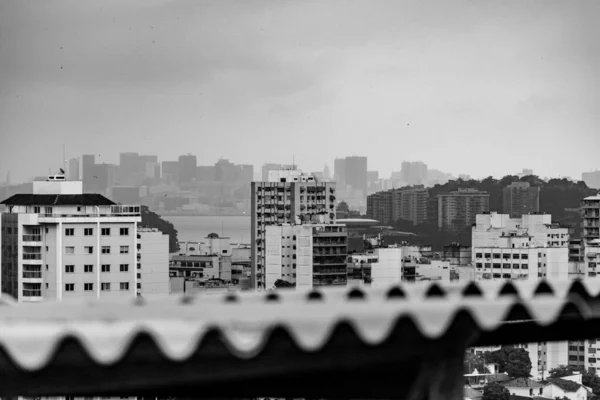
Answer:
[(32, 256), (32, 238), (32, 274), (91, 211), (330, 271)]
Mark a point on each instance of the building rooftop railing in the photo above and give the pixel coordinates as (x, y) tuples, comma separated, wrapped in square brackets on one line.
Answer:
[(404, 341)]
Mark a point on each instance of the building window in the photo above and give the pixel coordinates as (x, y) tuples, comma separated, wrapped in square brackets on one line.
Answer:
[(105, 249), (124, 285), (88, 287), (70, 232), (478, 255), (479, 265), (105, 231), (124, 249), (124, 267), (89, 250), (69, 287), (105, 267), (515, 256), (88, 268), (69, 250), (139, 276), (48, 210), (88, 231), (36, 210), (124, 231), (524, 256), (524, 266), (496, 255), (105, 286), (69, 269)]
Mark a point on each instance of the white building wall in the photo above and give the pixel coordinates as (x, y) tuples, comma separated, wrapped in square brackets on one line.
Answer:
[(154, 262), (304, 257), (388, 270), (273, 255)]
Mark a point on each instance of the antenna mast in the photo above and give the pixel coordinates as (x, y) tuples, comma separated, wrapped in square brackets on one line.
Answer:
[(64, 158)]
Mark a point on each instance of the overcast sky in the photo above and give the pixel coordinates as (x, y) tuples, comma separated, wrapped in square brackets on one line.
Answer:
[(479, 87)]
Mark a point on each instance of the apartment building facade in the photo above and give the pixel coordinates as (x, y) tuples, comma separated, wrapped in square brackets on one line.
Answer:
[(289, 197), (458, 210), (520, 198), (590, 208), (59, 243), (306, 255)]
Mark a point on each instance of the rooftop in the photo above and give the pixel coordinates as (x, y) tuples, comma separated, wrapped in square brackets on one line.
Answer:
[(86, 199), (567, 386), (522, 383)]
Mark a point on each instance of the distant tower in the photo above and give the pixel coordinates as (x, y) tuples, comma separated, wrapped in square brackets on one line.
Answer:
[(326, 173)]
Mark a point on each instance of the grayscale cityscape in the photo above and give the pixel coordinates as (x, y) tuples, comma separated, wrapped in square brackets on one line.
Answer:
[(300, 199)]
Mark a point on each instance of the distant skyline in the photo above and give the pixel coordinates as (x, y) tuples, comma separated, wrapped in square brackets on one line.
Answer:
[(468, 87)]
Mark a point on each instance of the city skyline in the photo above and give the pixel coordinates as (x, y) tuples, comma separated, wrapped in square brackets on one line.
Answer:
[(246, 80)]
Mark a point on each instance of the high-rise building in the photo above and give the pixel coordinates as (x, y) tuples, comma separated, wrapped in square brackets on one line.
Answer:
[(87, 165), (227, 172), (73, 169), (60, 243), (590, 207), (187, 168), (457, 210), (291, 197), (102, 177), (339, 170), (356, 173), (591, 179), (170, 171), (326, 172), (414, 173), (129, 163), (306, 255), (520, 198), (247, 173)]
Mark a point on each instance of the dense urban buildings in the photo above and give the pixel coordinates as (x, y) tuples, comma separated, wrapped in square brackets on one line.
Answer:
[(520, 198), (458, 210), (409, 204), (289, 197), (60, 243)]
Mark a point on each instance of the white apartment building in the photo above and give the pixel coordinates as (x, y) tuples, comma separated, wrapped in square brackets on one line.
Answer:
[(307, 255), (530, 247), (153, 261), (60, 243), (289, 197)]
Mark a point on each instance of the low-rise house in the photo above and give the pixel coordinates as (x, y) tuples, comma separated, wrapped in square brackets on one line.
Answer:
[(564, 387), (524, 387)]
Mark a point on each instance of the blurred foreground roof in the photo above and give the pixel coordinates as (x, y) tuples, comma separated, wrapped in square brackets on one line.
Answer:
[(351, 342)]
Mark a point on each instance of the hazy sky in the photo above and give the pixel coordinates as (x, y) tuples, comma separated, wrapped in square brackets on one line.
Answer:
[(479, 87)]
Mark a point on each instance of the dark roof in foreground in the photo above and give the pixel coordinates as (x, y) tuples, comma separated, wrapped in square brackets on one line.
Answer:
[(370, 342), (86, 199)]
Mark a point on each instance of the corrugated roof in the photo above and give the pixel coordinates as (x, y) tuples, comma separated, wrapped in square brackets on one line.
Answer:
[(337, 339), (566, 385), (86, 199), (522, 383)]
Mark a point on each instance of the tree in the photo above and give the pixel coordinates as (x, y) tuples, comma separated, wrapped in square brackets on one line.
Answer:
[(514, 361), (493, 391), (153, 220), (518, 364)]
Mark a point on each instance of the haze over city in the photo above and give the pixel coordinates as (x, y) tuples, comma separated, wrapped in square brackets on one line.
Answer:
[(454, 84)]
